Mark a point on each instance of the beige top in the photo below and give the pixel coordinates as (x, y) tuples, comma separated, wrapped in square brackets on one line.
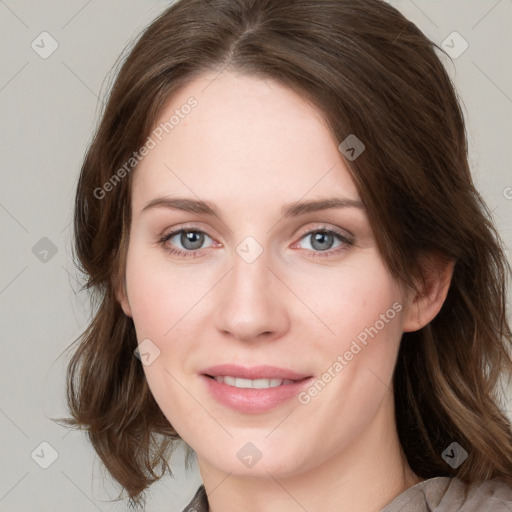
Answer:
[(440, 494)]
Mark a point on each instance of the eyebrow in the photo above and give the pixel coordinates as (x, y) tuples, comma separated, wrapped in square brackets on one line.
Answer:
[(289, 210)]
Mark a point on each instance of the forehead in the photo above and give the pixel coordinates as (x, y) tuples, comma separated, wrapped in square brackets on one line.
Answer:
[(246, 137)]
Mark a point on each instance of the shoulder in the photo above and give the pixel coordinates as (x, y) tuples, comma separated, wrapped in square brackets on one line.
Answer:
[(492, 496), (442, 494), (446, 494), (199, 502)]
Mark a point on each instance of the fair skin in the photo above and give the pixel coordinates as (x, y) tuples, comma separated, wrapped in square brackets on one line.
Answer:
[(250, 147)]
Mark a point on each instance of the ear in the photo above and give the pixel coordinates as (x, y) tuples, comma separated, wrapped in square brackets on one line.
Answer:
[(122, 298), (425, 302)]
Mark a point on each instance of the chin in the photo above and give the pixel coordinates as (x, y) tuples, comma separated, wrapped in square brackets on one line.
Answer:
[(255, 459)]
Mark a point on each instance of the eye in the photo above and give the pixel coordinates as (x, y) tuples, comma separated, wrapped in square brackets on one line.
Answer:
[(321, 240), (191, 239)]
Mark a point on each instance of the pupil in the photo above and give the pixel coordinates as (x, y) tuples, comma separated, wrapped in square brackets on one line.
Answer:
[(187, 240), (324, 240)]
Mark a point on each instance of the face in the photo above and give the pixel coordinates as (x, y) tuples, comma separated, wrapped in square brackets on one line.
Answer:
[(263, 291)]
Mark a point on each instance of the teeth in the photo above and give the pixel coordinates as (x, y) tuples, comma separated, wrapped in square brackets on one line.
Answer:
[(254, 384)]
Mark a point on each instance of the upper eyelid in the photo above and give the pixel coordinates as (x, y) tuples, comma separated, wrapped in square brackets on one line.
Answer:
[(323, 227)]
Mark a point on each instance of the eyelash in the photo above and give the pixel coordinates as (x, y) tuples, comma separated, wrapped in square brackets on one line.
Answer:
[(346, 241)]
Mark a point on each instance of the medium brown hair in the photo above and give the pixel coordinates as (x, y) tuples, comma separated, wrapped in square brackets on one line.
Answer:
[(371, 73)]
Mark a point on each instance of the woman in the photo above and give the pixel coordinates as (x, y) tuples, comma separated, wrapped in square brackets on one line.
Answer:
[(278, 216)]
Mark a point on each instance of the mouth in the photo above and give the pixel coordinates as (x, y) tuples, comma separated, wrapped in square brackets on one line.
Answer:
[(253, 389)]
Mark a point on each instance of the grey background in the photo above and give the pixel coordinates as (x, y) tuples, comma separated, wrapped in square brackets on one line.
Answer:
[(49, 110)]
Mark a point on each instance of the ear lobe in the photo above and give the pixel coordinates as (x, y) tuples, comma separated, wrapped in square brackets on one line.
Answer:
[(426, 301), (122, 298)]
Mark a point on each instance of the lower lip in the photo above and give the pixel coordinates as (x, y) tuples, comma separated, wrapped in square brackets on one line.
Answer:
[(249, 400)]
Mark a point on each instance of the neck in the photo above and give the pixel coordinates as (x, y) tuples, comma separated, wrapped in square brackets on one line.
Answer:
[(364, 476)]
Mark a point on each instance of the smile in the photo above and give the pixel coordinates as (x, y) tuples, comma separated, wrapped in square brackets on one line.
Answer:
[(238, 382), (255, 389)]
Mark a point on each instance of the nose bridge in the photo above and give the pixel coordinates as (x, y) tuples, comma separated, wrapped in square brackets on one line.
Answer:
[(251, 302)]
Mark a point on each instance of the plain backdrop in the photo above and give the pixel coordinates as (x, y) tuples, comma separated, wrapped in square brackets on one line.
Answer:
[(49, 108)]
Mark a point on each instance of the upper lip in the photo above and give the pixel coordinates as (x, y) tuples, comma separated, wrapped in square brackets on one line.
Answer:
[(253, 372)]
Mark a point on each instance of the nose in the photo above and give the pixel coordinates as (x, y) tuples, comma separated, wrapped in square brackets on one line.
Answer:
[(251, 302)]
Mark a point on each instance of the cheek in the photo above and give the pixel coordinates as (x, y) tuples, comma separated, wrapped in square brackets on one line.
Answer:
[(357, 341), (354, 299), (362, 307), (355, 365), (161, 295)]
